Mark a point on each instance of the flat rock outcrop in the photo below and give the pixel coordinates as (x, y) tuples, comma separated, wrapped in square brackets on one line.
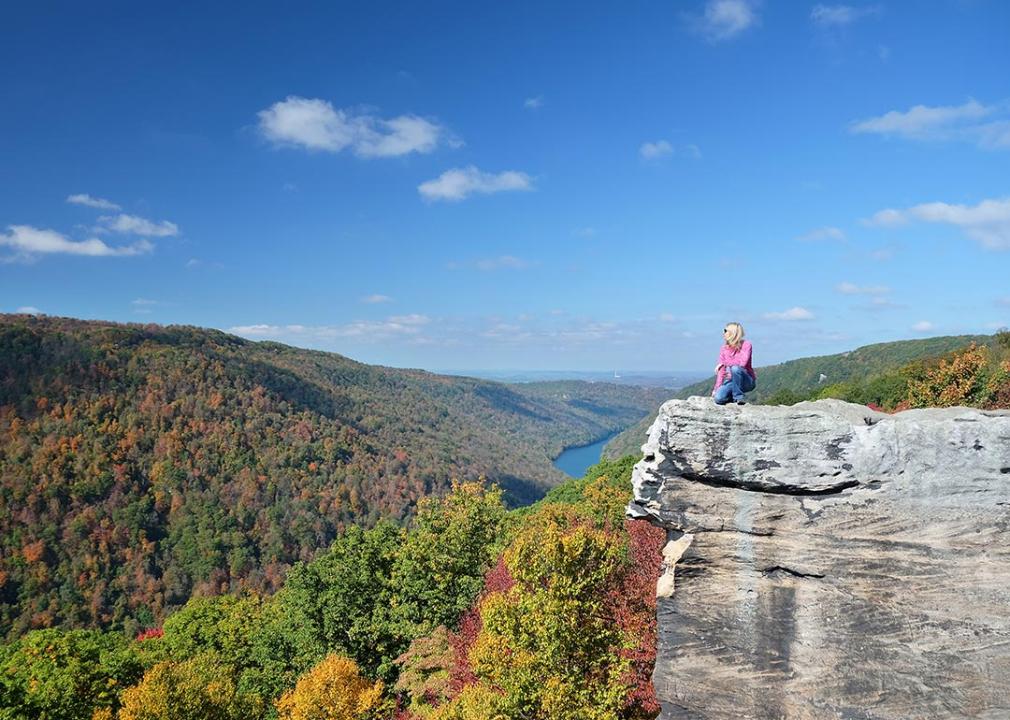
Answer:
[(828, 561)]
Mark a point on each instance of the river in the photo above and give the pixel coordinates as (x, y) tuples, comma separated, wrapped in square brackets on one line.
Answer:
[(576, 460)]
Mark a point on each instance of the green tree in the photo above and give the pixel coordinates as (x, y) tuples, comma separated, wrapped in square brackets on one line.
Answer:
[(337, 603), (64, 675), (224, 625), (440, 568)]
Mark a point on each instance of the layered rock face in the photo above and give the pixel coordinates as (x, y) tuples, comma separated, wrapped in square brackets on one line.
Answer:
[(828, 561)]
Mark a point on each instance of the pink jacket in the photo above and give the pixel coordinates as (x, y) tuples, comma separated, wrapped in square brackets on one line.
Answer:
[(728, 356)]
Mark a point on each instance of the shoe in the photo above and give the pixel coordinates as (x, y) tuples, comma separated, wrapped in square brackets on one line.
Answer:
[(741, 402)]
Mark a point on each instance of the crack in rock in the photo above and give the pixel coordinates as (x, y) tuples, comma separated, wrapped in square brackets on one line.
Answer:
[(789, 571)]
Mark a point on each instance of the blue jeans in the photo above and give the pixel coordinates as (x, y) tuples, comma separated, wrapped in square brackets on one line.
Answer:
[(733, 387)]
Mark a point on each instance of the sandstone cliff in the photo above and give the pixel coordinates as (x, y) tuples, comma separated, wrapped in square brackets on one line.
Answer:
[(828, 561)]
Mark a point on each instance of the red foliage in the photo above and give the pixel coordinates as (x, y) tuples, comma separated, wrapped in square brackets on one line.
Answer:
[(149, 633), (632, 605), (497, 580)]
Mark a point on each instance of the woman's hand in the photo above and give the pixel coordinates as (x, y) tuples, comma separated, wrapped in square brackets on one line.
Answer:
[(718, 368)]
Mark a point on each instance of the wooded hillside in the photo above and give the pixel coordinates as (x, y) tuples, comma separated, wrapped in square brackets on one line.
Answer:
[(142, 464)]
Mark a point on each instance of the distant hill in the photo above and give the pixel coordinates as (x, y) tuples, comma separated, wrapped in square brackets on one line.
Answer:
[(804, 376), (140, 464)]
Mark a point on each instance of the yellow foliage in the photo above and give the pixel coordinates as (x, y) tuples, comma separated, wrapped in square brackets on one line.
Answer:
[(606, 500), (961, 380), (201, 687), (333, 690), (476, 702), (546, 650)]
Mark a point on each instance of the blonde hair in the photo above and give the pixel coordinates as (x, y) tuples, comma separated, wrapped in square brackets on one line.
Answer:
[(733, 335)]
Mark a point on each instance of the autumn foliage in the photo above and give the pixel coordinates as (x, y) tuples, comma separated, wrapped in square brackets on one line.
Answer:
[(334, 690), (143, 465), (551, 610), (975, 376), (565, 627)]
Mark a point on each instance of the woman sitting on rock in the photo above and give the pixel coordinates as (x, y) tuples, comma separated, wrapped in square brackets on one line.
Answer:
[(734, 375)]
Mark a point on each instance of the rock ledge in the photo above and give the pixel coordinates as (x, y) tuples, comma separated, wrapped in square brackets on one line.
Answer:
[(829, 561)]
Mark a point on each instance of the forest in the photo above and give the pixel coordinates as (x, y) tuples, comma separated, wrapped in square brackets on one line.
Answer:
[(141, 465), (474, 612)]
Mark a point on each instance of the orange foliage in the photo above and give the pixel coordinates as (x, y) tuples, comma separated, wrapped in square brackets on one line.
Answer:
[(33, 552)]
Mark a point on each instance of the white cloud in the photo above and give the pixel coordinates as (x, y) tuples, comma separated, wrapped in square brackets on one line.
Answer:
[(93, 202), (988, 222), (847, 288), (823, 233), (458, 183), (503, 262), (650, 150), (28, 310), (887, 218), (986, 125), (29, 241), (667, 317), (403, 326), (133, 225), (534, 103), (144, 306), (413, 319), (725, 19), (659, 148), (794, 313), (921, 119), (376, 299), (923, 326), (315, 124), (883, 303), (255, 330), (840, 15)]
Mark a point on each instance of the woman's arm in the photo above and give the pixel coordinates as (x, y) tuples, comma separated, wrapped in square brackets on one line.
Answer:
[(745, 353), (720, 369)]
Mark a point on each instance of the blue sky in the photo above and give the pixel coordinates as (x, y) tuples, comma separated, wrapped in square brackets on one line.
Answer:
[(524, 185)]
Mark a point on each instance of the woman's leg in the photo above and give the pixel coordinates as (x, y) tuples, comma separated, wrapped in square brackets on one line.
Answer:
[(740, 382), (724, 392)]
